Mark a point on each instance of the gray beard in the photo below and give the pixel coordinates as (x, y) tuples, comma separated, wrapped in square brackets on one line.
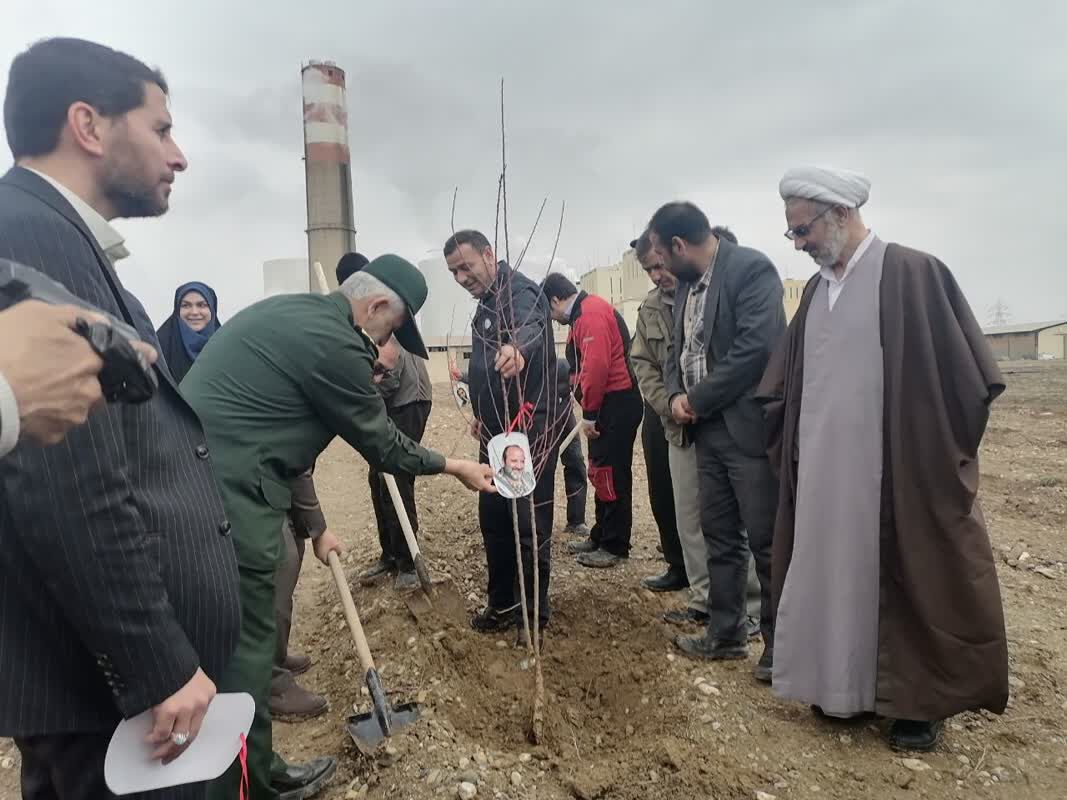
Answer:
[(828, 255)]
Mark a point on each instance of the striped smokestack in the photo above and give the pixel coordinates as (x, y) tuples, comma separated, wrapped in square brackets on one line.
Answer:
[(331, 231)]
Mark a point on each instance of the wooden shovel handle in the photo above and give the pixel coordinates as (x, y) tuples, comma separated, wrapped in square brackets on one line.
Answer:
[(402, 515), (354, 625), (570, 436)]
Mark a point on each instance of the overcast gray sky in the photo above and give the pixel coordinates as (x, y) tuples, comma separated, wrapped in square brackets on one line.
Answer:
[(956, 111)]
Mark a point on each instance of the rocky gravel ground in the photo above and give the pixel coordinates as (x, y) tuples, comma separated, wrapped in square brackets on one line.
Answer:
[(626, 715)]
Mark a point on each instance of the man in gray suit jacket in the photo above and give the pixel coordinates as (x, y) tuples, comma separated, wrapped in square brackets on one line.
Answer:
[(728, 317), (118, 580)]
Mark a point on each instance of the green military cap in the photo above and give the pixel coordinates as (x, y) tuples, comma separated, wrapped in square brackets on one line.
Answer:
[(404, 278)]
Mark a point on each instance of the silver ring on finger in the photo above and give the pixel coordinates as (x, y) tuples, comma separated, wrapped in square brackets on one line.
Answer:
[(179, 739)]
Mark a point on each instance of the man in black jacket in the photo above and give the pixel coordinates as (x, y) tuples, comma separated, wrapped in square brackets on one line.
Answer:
[(513, 362), (571, 458), (728, 318), (118, 580)]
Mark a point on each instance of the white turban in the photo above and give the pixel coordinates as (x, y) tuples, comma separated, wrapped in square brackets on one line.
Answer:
[(838, 187)]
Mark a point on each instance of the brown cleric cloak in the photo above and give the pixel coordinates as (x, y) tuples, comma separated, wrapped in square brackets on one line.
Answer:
[(942, 647)]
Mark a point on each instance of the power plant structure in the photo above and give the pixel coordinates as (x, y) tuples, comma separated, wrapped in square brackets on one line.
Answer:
[(327, 168)]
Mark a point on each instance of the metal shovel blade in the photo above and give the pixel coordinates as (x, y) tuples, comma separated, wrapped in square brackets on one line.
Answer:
[(447, 603), (366, 730), (369, 730)]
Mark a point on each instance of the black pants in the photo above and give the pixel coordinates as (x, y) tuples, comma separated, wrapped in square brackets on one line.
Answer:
[(285, 580), (410, 420), (737, 492), (660, 489), (575, 479), (611, 459), (498, 533), (70, 766)]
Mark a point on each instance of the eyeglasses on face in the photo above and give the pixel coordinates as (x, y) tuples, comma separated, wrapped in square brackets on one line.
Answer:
[(802, 231)]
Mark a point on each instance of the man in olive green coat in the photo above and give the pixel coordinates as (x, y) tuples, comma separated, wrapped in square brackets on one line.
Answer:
[(276, 385)]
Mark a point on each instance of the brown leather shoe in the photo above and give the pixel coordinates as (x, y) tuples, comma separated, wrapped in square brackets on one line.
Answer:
[(297, 663), (290, 702)]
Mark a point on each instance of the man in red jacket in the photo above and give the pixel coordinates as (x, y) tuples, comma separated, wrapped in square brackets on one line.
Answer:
[(598, 351)]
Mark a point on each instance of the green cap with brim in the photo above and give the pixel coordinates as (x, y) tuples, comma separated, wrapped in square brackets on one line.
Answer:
[(404, 278)]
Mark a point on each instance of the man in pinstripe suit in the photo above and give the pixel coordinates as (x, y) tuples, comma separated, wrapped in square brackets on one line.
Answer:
[(118, 580)]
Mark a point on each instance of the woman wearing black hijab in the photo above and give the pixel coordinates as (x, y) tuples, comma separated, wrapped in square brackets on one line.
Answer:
[(188, 328)]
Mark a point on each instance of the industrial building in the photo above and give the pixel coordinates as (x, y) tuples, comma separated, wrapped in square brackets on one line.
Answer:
[(624, 284), (793, 291), (1031, 340)]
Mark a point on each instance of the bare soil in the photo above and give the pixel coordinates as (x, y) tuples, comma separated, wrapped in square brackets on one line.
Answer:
[(625, 716)]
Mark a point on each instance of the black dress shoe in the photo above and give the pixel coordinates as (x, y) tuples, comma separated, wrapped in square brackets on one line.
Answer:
[(765, 666), (916, 735), (383, 566), (710, 648), (686, 616), (493, 620), (673, 580), (300, 781)]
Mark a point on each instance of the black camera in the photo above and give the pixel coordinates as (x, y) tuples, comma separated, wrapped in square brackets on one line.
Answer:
[(126, 377)]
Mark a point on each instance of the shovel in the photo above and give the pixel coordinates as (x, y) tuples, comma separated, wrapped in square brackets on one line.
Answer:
[(369, 730), (409, 535)]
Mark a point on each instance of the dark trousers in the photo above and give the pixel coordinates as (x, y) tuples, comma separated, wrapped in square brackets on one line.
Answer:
[(660, 489), (737, 493), (611, 459), (498, 533), (284, 588), (70, 766), (575, 479), (410, 420)]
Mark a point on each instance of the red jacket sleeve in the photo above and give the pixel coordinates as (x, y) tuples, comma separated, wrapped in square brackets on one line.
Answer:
[(592, 337)]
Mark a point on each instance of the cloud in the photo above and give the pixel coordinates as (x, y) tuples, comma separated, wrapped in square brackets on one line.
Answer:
[(615, 108)]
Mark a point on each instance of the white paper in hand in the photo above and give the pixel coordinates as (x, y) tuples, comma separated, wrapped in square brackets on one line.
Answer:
[(128, 766)]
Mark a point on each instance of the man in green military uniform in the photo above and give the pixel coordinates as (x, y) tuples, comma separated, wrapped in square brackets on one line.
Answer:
[(275, 385)]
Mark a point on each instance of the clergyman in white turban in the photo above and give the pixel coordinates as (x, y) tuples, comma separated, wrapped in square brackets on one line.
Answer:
[(837, 187), (886, 594)]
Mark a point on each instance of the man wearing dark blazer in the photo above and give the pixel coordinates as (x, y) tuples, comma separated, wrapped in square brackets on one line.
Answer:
[(728, 317), (118, 580)]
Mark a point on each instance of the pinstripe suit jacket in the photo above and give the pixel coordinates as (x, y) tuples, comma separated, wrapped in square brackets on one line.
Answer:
[(117, 573)]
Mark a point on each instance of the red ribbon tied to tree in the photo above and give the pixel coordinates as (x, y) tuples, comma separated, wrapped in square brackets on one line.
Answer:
[(243, 756), (525, 415)]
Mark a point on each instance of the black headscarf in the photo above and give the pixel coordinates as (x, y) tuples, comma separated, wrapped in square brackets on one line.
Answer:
[(181, 344)]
